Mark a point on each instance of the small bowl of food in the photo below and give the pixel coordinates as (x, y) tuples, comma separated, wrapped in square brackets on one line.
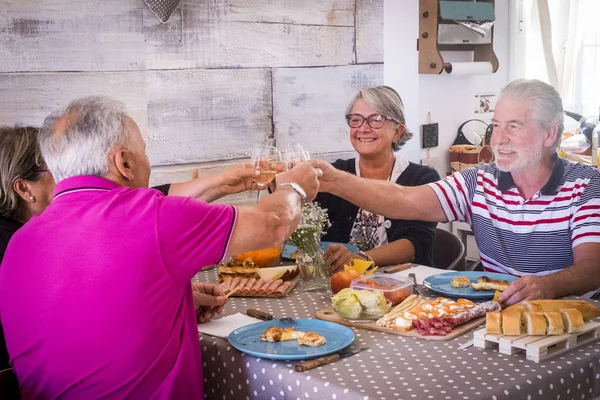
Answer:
[(394, 289), (268, 257), (357, 305)]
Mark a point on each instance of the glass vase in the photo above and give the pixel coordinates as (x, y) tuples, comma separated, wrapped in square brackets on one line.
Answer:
[(313, 270)]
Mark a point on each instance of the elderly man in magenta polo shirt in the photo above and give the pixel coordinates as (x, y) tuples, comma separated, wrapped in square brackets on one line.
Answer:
[(533, 215), (95, 293)]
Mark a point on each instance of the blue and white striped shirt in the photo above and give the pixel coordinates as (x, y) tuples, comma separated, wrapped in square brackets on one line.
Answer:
[(525, 236)]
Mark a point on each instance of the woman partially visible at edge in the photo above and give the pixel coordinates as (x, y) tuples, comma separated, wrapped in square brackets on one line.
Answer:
[(377, 130)]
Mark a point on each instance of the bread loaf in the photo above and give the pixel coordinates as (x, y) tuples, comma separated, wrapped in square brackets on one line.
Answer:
[(493, 323), (536, 323), (572, 319), (587, 310)]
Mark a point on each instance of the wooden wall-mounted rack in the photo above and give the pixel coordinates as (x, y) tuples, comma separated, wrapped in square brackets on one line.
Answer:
[(430, 58)]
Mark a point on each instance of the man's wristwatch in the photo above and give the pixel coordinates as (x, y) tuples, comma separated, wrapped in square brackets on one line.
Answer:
[(364, 255), (297, 188)]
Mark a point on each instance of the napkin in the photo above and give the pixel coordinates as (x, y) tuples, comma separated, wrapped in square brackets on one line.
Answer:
[(222, 327), (421, 272)]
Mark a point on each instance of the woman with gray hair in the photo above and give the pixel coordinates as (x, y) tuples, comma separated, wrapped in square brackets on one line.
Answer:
[(25, 190), (377, 130)]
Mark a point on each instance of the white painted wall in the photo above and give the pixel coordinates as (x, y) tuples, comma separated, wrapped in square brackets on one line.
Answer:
[(448, 99)]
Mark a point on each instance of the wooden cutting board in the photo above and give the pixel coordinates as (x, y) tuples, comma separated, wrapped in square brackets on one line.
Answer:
[(288, 291), (329, 315)]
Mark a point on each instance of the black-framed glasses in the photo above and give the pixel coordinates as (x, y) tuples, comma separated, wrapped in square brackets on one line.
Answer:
[(375, 121)]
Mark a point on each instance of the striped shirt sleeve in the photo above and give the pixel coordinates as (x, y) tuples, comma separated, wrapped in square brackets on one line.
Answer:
[(585, 219), (455, 194)]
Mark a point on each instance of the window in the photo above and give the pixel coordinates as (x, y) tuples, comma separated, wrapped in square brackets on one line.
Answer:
[(572, 32)]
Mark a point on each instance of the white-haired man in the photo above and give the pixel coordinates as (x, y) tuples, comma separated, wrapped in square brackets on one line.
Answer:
[(533, 215), (95, 293)]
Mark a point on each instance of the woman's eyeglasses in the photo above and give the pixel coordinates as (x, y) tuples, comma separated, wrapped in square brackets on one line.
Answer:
[(375, 121)]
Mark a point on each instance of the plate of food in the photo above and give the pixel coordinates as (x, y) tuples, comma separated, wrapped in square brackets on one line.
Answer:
[(474, 285), (289, 249), (278, 340)]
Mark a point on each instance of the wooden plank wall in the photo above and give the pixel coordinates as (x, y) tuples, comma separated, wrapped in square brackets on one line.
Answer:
[(203, 87)]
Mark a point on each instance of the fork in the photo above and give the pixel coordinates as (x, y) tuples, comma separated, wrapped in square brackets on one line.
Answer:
[(412, 276), (288, 320)]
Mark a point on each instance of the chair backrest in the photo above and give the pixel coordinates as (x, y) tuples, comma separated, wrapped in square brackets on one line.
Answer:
[(448, 251), (9, 386)]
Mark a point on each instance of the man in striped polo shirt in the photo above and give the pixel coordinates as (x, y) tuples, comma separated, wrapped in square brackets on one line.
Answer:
[(533, 214)]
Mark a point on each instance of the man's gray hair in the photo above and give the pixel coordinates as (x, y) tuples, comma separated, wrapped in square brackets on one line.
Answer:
[(385, 101), (547, 108), (76, 140)]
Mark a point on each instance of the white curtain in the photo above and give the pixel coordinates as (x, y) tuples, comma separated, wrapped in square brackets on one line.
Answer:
[(562, 39)]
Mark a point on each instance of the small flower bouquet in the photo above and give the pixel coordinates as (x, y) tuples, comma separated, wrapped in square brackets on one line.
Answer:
[(307, 238)]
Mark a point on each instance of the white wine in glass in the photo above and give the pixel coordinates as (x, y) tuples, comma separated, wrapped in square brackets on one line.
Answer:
[(267, 160)]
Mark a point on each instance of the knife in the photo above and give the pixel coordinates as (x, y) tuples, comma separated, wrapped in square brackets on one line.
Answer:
[(259, 314), (317, 362)]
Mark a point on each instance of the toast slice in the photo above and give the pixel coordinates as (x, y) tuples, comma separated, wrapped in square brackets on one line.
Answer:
[(486, 283), (460, 281)]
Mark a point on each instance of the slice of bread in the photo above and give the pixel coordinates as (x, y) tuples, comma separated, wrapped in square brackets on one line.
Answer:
[(460, 281), (536, 323), (493, 323), (555, 323), (486, 283), (513, 323), (572, 320)]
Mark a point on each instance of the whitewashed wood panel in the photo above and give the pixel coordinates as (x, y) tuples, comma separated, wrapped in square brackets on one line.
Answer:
[(181, 173), (203, 35), (308, 12), (309, 104), (207, 115), (369, 31), (29, 98), (67, 35)]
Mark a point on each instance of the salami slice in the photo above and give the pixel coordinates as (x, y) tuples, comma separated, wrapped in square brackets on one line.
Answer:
[(265, 286), (248, 286), (273, 286), (282, 288), (257, 285)]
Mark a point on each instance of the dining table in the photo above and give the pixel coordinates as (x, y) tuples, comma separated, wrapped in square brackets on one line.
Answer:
[(393, 366)]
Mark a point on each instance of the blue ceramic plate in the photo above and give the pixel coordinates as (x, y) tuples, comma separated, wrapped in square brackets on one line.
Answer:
[(247, 340), (288, 249), (441, 284)]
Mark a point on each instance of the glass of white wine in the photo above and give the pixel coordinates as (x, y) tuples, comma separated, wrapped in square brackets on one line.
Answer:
[(268, 161)]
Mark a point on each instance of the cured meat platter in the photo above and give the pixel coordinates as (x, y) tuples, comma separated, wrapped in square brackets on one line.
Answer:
[(328, 314), (250, 287)]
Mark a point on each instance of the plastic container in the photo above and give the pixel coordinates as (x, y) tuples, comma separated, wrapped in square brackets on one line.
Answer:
[(395, 289)]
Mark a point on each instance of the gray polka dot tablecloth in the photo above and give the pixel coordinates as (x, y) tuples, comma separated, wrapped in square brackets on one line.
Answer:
[(394, 367)]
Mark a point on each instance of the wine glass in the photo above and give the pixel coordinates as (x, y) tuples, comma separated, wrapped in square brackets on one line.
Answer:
[(268, 161), (294, 155)]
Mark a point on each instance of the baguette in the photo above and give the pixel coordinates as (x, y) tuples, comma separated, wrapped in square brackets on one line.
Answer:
[(572, 319), (512, 323), (587, 310), (536, 323), (493, 323), (555, 323)]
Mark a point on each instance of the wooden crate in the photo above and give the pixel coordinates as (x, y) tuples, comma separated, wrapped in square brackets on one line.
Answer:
[(537, 348)]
